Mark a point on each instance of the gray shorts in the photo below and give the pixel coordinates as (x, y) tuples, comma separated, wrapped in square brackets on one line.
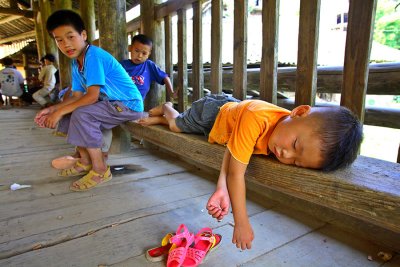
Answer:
[(201, 116), (85, 124)]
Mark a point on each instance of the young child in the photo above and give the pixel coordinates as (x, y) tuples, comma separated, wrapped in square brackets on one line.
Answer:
[(142, 70), (325, 138), (48, 79), (103, 96)]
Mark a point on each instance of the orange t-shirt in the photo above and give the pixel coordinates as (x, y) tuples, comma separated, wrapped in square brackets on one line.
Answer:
[(245, 127)]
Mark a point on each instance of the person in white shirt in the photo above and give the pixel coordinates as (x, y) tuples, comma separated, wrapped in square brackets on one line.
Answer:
[(48, 79), (11, 81)]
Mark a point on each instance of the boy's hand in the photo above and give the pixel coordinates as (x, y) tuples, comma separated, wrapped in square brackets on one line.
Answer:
[(218, 204), (243, 235), (52, 120), (41, 117)]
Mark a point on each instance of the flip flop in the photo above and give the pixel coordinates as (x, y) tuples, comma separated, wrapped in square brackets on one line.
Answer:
[(87, 182), (65, 162), (204, 243), (157, 254), (182, 239)]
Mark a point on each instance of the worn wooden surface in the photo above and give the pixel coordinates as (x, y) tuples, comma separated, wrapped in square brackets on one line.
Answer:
[(367, 194), (115, 223)]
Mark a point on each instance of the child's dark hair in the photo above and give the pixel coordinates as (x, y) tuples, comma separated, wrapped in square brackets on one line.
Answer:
[(49, 57), (65, 17), (141, 38), (7, 61), (341, 136)]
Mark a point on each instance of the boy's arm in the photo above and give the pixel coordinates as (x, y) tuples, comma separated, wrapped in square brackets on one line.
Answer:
[(243, 232), (69, 105), (168, 84), (218, 204)]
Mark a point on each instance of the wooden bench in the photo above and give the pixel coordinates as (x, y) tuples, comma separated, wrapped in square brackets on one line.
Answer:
[(363, 198)]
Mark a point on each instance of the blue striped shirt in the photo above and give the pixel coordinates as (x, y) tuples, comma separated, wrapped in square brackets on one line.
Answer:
[(102, 69)]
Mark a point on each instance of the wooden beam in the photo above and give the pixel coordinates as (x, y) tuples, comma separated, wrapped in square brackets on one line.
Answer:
[(88, 15), (112, 28), (197, 64), (133, 25), (269, 60), (170, 7), (169, 66), (64, 62), (383, 79), (182, 61), (240, 50), (357, 53), (16, 12), (25, 35), (216, 46), (8, 19), (306, 80)]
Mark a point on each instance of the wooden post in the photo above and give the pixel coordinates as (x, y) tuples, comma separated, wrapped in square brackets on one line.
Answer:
[(306, 76), (112, 28), (169, 66), (38, 29), (45, 12), (216, 46), (89, 18), (240, 50), (269, 60), (64, 62), (398, 155), (357, 52), (153, 29), (182, 61), (197, 63)]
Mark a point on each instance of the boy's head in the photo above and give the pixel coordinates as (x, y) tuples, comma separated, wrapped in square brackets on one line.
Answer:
[(140, 48), (68, 30), (324, 138), (49, 59), (7, 61)]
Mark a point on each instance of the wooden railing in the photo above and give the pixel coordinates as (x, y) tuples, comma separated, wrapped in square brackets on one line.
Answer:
[(356, 79)]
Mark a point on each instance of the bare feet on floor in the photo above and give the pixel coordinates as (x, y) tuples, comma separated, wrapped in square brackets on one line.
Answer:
[(158, 111)]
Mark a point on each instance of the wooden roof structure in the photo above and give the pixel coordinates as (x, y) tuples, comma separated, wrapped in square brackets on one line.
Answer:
[(17, 23)]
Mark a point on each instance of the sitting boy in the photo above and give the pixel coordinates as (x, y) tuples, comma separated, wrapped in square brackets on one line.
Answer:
[(141, 69), (103, 96), (325, 138)]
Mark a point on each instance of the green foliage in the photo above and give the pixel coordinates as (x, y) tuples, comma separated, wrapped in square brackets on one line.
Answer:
[(387, 23)]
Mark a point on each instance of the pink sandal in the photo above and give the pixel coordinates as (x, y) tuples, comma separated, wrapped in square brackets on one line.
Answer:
[(182, 240), (204, 243), (157, 254)]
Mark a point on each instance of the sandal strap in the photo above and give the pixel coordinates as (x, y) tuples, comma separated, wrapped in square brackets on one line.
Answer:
[(85, 167)]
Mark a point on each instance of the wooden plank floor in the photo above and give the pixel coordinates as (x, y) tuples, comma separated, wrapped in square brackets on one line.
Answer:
[(115, 223)]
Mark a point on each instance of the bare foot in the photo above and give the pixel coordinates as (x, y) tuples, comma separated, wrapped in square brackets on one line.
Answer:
[(158, 111), (152, 121)]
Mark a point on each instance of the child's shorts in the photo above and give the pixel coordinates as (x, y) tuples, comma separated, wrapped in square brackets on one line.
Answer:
[(201, 116)]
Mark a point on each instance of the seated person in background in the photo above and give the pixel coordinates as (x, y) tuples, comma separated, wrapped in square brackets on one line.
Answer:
[(325, 138), (12, 82), (48, 79), (141, 69)]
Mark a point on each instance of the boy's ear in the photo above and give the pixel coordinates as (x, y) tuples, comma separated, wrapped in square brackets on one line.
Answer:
[(129, 48), (300, 111), (84, 35)]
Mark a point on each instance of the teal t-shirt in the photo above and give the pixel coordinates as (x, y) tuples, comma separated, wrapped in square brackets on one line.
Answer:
[(102, 69)]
